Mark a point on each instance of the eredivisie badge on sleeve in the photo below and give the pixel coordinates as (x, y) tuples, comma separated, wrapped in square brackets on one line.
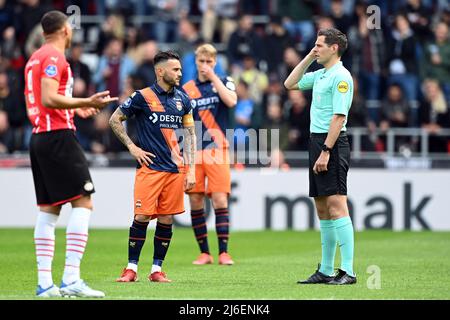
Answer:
[(342, 86)]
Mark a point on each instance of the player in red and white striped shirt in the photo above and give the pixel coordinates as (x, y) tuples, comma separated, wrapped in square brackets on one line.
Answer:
[(60, 169)]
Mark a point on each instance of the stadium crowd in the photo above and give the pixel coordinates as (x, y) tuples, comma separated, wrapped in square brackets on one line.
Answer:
[(401, 68)]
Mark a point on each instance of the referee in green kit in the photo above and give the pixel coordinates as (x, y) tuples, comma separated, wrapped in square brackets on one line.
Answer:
[(329, 152)]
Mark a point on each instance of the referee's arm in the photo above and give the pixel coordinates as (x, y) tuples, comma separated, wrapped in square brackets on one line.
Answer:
[(291, 83), (336, 124)]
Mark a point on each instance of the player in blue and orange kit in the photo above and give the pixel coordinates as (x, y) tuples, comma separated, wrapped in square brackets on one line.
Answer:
[(211, 97), (161, 112)]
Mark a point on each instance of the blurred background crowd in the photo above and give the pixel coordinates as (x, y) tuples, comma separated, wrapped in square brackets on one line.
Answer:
[(401, 67)]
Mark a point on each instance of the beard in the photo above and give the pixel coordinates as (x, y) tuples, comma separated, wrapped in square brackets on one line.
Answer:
[(171, 81)]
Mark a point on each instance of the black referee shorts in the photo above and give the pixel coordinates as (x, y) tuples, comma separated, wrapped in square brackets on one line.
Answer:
[(333, 181), (60, 169)]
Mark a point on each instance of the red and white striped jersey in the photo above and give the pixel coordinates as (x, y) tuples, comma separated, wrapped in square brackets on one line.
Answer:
[(47, 62)]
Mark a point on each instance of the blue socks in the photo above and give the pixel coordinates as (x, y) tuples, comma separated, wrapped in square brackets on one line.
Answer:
[(222, 228), (344, 232), (138, 233), (329, 240), (333, 232)]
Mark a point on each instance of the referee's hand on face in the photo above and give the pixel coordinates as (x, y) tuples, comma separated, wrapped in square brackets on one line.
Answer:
[(101, 99), (322, 162)]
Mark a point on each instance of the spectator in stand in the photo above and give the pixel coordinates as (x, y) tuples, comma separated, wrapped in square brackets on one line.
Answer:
[(256, 79), (368, 63), (168, 12), (223, 10), (348, 7), (436, 58), (274, 120), (297, 107), (402, 63), (113, 69), (395, 109), (80, 70), (132, 44), (258, 83), (189, 37), (278, 40), (4, 131), (342, 21), (6, 16), (297, 16), (242, 115), (112, 28), (28, 16), (435, 115), (145, 72), (34, 40), (13, 117), (243, 42), (419, 18), (291, 59), (358, 117)]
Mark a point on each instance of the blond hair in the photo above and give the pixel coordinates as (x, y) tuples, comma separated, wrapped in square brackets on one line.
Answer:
[(207, 49)]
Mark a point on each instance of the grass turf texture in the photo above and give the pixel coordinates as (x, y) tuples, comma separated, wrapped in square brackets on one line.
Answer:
[(414, 265)]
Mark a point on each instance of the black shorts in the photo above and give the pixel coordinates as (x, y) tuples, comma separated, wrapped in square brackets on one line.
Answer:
[(333, 181), (60, 169)]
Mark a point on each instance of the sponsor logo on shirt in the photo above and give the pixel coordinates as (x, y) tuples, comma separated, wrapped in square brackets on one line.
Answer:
[(166, 120)]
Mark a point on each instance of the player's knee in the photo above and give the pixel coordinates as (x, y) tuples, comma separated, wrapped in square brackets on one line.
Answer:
[(50, 209), (83, 202), (142, 218), (219, 200), (166, 219), (196, 200)]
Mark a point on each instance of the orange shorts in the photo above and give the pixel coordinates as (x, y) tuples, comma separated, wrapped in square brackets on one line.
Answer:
[(158, 193), (213, 164)]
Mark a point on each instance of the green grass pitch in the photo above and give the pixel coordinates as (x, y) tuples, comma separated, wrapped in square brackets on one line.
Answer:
[(413, 265)]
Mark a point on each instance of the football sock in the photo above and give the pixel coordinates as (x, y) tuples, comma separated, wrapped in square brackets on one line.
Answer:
[(222, 228), (329, 240), (137, 235), (200, 230), (344, 231), (163, 235), (76, 240), (44, 239)]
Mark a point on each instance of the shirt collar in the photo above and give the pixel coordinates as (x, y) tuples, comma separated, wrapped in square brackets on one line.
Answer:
[(336, 65), (161, 91), (197, 81)]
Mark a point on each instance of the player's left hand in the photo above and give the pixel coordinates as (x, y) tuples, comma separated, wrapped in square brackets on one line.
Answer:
[(322, 163), (86, 112), (189, 181), (207, 71)]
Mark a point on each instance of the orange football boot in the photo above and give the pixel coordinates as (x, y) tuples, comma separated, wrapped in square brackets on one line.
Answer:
[(127, 275), (225, 259), (203, 258), (158, 276)]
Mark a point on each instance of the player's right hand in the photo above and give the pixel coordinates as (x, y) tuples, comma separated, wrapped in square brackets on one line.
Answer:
[(141, 156), (313, 54), (101, 99)]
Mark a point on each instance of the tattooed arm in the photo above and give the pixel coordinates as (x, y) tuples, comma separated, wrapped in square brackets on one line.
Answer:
[(190, 148), (115, 122)]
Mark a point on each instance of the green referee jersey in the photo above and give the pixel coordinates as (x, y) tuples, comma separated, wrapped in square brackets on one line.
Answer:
[(332, 94)]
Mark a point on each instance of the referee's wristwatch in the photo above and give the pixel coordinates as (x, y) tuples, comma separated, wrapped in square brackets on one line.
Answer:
[(326, 148)]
